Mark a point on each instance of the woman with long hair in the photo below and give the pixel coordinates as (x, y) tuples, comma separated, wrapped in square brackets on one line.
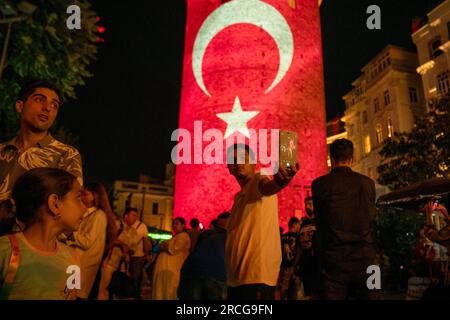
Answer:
[(166, 274), (101, 201), (96, 234), (33, 264)]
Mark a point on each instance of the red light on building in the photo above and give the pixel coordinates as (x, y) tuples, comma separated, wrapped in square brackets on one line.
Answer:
[(101, 29), (261, 60)]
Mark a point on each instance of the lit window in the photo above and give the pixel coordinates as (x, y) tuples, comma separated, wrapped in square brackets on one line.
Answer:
[(379, 130), (387, 98), (367, 146), (434, 48), (390, 128), (443, 82), (413, 95)]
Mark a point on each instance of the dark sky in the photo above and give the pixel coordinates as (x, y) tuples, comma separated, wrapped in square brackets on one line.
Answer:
[(125, 114), (348, 44)]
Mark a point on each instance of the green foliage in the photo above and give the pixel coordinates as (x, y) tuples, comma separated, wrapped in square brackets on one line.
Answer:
[(42, 47), (396, 233), (421, 154)]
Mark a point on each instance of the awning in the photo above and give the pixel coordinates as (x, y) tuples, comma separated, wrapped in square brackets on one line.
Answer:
[(414, 195)]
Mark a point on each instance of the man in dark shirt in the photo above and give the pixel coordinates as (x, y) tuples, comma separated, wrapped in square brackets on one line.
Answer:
[(194, 232), (204, 275), (344, 203), (289, 280), (308, 267), (309, 208)]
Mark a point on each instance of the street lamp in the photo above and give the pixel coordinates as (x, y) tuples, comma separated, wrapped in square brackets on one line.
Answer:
[(27, 9)]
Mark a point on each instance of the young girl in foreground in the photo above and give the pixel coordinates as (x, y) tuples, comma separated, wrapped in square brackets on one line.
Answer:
[(33, 264)]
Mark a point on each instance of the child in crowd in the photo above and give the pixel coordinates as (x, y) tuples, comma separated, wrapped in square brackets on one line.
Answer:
[(33, 264)]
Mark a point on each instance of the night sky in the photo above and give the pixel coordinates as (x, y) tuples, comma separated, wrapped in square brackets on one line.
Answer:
[(125, 115)]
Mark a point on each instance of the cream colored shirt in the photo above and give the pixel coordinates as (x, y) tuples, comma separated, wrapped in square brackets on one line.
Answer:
[(137, 233), (253, 247), (90, 243), (166, 273)]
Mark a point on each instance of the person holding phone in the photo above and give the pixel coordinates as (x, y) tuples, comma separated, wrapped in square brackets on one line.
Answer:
[(288, 150), (253, 245)]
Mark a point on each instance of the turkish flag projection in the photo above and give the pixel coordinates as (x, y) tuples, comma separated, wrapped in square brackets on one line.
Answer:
[(251, 64)]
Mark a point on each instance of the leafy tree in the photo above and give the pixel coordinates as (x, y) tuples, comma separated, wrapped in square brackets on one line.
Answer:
[(421, 154), (396, 232), (42, 47)]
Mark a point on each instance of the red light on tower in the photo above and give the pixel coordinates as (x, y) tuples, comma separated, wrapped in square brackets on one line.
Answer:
[(100, 30), (259, 62)]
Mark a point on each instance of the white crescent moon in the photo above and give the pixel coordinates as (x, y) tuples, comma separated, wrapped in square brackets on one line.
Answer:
[(245, 11)]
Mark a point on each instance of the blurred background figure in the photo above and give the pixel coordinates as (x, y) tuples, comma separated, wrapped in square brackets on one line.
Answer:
[(204, 275), (139, 246), (308, 264), (132, 247), (212, 224), (289, 278), (309, 208), (194, 232), (173, 253), (95, 236)]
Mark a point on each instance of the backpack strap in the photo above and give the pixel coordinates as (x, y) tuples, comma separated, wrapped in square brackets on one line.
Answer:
[(7, 285), (14, 260)]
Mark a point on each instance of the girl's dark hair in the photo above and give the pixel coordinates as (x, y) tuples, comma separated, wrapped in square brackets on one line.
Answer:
[(31, 192), (7, 216), (101, 201)]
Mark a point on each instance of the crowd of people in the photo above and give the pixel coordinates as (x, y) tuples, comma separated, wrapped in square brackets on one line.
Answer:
[(51, 222)]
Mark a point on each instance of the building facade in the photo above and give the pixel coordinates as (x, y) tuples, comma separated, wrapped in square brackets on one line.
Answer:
[(432, 40), (386, 98), (154, 201)]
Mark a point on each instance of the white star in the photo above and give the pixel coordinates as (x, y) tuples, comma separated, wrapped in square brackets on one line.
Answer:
[(237, 119)]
